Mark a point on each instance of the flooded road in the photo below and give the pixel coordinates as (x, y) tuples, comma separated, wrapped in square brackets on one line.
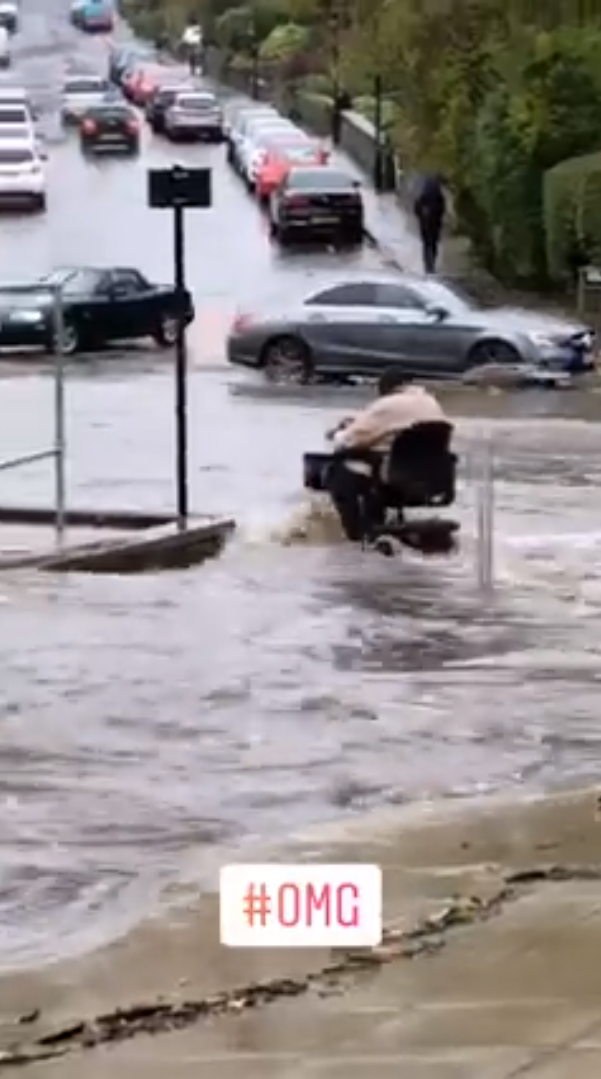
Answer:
[(150, 724)]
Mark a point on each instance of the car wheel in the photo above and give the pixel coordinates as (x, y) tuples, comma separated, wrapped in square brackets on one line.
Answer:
[(493, 355), (166, 332), (287, 360), (70, 340)]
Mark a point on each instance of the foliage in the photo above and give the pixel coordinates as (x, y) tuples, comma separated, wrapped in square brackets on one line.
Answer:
[(284, 43), (494, 93)]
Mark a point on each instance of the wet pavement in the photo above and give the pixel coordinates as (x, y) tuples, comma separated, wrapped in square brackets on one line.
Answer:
[(488, 968), (151, 725)]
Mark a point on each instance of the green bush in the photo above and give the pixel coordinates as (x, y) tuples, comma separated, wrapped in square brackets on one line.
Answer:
[(284, 43), (366, 105), (572, 215), (315, 111)]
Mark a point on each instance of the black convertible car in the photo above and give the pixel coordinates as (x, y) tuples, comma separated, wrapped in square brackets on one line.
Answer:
[(100, 305)]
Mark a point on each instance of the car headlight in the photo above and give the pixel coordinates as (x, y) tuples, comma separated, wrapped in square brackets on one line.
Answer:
[(542, 340), (26, 315)]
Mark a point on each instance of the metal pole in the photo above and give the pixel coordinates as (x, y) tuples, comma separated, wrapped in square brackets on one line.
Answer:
[(485, 519), (181, 372), (60, 439), (336, 102), (378, 125)]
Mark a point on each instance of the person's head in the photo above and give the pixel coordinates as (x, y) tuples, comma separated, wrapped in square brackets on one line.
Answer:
[(392, 381)]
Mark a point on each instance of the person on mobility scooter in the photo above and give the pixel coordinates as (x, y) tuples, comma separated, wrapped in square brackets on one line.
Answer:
[(393, 455)]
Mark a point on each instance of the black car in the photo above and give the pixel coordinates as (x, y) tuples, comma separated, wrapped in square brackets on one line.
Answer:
[(321, 202), (110, 127), (159, 102), (99, 306)]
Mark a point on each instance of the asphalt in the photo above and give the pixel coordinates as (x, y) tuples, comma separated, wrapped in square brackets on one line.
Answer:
[(489, 970)]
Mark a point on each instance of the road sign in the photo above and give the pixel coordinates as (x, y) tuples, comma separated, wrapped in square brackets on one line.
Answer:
[(179, 187)]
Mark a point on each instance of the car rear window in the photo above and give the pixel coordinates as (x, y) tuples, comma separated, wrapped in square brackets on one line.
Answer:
[(199, 102), (86, 86), (110, 112), (15, 155), (14, 114), (321, 179)]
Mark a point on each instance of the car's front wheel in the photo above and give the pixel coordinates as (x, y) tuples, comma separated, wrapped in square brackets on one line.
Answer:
[(494, 355), (288, 360), (69, 342), (165, 334)]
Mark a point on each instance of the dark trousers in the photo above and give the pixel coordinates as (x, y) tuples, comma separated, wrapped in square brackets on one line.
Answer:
[(430, 230), (354, 498)]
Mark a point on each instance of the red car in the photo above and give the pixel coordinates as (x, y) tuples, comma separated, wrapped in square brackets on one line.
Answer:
[(280, 159)]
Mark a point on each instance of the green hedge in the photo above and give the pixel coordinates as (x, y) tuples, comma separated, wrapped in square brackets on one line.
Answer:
[(572, 215), (313, 110)]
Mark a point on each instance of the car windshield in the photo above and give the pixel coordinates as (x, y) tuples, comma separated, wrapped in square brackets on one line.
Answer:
[(86, 86), (197, 102), (16, 114), (16, 155), (73, 282), (320, 179)]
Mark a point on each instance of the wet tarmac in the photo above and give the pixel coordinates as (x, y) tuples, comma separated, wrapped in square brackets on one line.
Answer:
[(149, 725)]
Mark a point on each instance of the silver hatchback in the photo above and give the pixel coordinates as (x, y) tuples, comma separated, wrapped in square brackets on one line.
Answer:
[(195, 114)]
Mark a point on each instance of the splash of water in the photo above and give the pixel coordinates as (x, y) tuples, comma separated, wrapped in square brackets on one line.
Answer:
[(314, 524)]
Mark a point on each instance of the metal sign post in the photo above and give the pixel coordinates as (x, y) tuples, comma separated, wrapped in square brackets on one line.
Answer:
[(60, 456), (179, 189)]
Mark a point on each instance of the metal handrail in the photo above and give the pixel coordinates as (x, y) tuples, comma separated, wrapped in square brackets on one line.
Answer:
[(27, 459), (58, 451)]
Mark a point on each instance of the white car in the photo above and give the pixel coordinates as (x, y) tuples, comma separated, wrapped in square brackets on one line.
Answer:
[(15, 95), (195, 114), (80, 93), (16, 120), (239, 126), (255, 134), (24, 136), (22, 176)]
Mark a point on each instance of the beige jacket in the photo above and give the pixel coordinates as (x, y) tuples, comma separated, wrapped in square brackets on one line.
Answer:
[(375, 427)]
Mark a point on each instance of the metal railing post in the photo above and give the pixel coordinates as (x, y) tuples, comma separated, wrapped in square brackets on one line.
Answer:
[(60, 493), (485, 512)]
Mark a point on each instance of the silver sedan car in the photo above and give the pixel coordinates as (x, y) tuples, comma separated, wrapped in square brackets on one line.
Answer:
[(424, 325)]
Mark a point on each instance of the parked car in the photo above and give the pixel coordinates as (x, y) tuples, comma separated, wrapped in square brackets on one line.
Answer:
[(159, 101), (22, 176), (194, 114), (140, 82), (255, 133), (16, 122), (278, 157), (5, 48), (81, 93), (24, 135), (310, 203), (265, 136), (16, 95), (110, 128), (100, 305), (9, 15), (238, 125), (124, 58), (424, 325)]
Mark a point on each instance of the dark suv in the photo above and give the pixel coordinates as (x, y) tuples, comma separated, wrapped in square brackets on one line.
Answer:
[(159, 102)]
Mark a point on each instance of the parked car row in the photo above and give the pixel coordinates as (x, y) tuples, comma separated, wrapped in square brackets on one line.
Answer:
[(175, 103), (23, 182), (305, 195)]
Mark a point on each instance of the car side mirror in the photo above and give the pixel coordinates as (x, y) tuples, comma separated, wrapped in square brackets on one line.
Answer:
[(437, 313)]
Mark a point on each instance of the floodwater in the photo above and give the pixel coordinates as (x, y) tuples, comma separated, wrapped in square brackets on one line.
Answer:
[(150, 725)]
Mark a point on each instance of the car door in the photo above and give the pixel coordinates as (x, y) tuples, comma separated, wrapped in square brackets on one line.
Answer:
[(342, 320), (410, 335), (130, 305)]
